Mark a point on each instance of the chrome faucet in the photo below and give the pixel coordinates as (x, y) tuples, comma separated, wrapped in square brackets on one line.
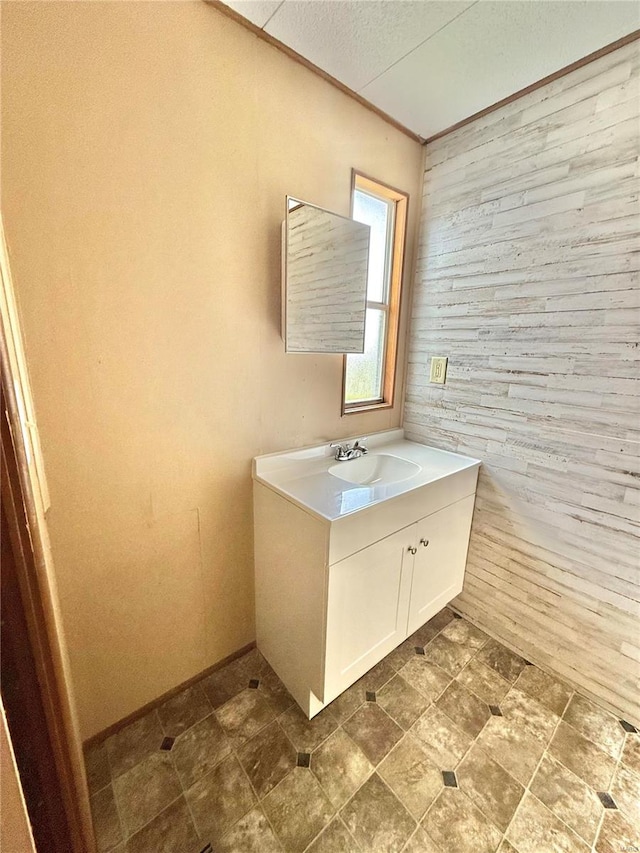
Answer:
[(347, 451)]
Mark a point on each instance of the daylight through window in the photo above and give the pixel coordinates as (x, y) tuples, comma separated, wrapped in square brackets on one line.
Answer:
[(369, 378)]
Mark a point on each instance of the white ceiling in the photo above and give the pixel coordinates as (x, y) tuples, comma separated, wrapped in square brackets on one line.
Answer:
[(432, 63)]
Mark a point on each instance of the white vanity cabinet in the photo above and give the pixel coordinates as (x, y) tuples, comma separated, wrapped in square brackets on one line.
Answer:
[(367, 605), (379, 596), (442, 541), (337, 591)]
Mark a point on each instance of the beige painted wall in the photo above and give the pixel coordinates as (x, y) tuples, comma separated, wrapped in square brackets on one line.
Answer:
[(146, 152), (528, 279)]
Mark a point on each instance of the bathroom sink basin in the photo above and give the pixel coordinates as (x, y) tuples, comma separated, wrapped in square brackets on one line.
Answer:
[(314, 480), (375, 469)]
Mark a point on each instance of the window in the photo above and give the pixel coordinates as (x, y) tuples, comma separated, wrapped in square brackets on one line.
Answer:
[(369, 378)]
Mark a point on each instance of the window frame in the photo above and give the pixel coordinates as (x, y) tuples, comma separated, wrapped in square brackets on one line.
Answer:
[(400, 201)]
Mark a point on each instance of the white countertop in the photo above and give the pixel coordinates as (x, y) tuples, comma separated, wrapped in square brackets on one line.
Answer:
[(303, 475)]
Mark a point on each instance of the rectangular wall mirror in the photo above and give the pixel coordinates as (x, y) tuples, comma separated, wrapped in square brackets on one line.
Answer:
[(324, 280)]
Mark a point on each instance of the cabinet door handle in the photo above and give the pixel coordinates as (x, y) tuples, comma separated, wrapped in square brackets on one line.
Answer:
[(412, 550), (424, 542)]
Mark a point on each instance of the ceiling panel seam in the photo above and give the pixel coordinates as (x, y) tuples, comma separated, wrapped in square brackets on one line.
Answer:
[(273, 14), (413, 49)]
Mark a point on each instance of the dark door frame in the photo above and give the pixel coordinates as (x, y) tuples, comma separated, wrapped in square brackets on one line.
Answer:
[(39, 712)]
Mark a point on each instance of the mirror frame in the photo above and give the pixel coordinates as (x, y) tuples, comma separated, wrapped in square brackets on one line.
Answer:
[(284, 248)]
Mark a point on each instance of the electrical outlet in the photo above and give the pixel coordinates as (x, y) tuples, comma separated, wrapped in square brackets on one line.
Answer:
[(438, 372)]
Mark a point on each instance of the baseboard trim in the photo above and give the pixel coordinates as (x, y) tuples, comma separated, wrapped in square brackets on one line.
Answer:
[(155, 703)]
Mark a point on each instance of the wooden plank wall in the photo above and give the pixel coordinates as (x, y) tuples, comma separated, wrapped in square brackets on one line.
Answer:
[(528, 281)]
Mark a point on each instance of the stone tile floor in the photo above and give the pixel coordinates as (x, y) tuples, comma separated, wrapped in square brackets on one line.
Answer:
[(452, 744)]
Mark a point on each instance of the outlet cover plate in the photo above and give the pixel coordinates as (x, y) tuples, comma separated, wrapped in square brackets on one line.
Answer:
[(438, 373)]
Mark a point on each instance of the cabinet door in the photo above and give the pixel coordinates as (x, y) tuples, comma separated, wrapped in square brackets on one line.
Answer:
[(438, 569), (367, 609)]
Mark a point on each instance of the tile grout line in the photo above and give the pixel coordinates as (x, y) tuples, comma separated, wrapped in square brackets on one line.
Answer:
[(146, 824), (423, 813), (466, 752), (546, 753), (570, 683), (432, 703), (474, 742), (374, 772), (259, 800), (258, 803), (235, 751), (232, 750), (358, 848), (598, 831), (127, 837), (164, 730), (389, 788), (175, 768), (527, 788), (613, 777), (454, 678), (95, 793), (375, 766), (337, 812), (115, 799), (561, 820), (405, 733), (364, 781)]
